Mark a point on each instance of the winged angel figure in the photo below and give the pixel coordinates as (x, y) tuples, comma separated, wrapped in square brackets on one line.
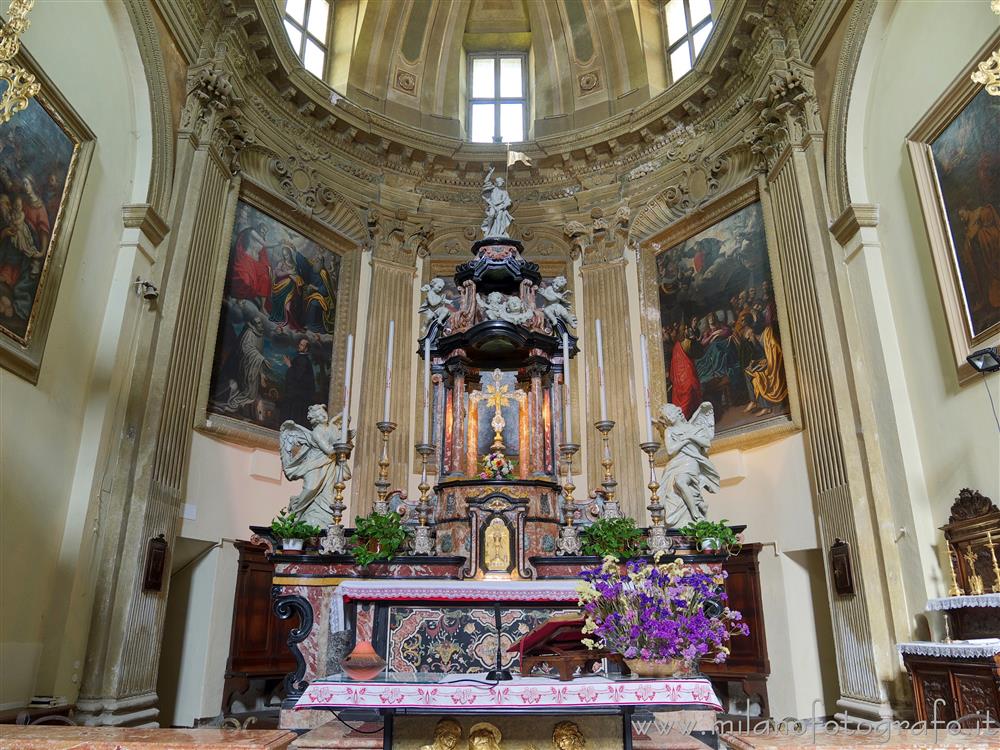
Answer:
[(308, 454), (689, 471)]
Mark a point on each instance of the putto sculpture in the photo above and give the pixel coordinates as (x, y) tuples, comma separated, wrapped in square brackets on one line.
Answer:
[(309, 455), (436, 307), (557, 305), (498, 203), (689, 471), (447, 734), (566, 735)]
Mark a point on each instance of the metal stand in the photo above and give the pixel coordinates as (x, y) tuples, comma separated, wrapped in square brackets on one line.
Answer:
[(335, 541), (656, 537), (610, 485), (423, 534), (569, 536), (382, 484)]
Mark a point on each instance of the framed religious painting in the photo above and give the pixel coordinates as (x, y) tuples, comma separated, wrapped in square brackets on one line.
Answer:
[(286, 288), (45, 151), (713, 314), (955, 152)]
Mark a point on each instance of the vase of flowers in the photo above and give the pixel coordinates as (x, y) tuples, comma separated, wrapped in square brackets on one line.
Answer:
[(661, 617), (495, 465)]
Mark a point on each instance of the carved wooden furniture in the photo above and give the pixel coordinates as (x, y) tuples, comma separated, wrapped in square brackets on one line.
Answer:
[(961, 685), (258, 645), (558, 644)]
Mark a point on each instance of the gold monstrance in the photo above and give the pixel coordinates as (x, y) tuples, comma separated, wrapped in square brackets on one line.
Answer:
[(498, 396)]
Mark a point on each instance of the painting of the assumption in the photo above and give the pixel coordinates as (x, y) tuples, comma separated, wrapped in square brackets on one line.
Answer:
[(273, 352), (719, 324), (35, 160), (967, 161)]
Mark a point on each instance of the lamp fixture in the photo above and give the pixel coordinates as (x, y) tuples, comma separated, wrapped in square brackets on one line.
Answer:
[(985, 360)]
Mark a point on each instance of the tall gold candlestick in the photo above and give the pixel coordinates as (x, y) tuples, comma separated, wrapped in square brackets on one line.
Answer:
[(382, 484), (996, 568), (610, 484), (954, 589)]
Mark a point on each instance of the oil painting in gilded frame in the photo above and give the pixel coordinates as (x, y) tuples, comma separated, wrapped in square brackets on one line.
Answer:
[(955, 153), (713, 314), (286, 288), (45, 151)]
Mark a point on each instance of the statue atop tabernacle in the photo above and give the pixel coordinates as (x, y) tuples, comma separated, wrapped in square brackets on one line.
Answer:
[(496, 341)]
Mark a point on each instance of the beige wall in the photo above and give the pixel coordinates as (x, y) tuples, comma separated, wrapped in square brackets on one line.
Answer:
[(49, 458)]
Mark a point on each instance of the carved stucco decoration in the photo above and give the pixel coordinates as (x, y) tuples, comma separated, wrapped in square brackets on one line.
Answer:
[(212, 111), (605, 240), (391, 237), (786, 113)]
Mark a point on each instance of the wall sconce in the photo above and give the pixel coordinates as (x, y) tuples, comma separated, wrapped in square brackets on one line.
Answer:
[(146, 289), (984, 361)]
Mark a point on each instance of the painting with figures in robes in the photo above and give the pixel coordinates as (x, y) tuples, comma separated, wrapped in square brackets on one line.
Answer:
[(276, 331), (967, 162), (719, 324)]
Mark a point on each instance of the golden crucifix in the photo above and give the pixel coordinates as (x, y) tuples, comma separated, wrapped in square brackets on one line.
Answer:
[(974, 580), (498, 396)]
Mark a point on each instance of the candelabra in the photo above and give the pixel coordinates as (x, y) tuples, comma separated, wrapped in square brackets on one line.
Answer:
[(382, 484), (656, 540), (954, 589), (335, 541), (993, 557), (610, 485), (423, 537), (569, 536)]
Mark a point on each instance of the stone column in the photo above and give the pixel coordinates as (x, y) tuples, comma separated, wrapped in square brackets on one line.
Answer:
[(146, 468), (605, 296), (537, 435), (395, 244), (458, 419), (787, 139)]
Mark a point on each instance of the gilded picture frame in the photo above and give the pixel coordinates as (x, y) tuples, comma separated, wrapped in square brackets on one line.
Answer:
[(239, 431), (22, 348), (943, 209), (761, 430)]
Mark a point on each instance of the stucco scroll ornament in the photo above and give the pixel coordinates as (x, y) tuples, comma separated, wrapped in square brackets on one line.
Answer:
[(308, 453), (557, 305), (988, 71), (498, 203), (689, 471), (436, 307), (21, 85)]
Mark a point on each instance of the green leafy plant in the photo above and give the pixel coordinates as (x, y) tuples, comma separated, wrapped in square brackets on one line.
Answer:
[(699, 531), (378, 536), (288, 525), (616, 537)]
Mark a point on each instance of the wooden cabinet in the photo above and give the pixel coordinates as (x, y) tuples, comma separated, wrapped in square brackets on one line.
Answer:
[(960, 686), (258, 646)]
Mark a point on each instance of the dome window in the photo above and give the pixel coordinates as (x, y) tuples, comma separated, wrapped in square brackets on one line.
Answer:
[(307, 23), (688, 24), (498, 97)]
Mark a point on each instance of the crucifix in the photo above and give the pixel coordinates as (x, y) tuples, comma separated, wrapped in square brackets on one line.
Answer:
[(498, 396)]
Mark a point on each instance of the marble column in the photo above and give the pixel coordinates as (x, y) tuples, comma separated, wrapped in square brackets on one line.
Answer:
[(459, 422), (537, 435), (787, 139), (145, 470), (394, 246), (602, 244)]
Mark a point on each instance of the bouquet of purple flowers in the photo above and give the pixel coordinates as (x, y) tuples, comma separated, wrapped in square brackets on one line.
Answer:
[(658, 612)]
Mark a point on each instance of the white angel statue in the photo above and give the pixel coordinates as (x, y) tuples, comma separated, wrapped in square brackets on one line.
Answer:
[(308, 454), (557, 304), (689, 471), (436, 307)]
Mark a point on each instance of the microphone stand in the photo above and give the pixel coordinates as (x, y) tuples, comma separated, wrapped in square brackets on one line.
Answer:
[(498, 673)]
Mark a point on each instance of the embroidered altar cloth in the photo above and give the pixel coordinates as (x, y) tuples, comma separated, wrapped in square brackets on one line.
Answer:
[(971, 649), (389, 589), (963, 602), (458, 692)]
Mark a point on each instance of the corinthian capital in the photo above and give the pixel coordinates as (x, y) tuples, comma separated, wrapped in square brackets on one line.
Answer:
[(602, 239)]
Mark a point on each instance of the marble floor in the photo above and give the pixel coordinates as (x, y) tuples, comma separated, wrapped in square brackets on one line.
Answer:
[(39, 737), (885, 740)]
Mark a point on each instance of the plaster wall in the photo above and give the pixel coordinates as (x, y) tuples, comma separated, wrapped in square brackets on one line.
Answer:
[(49, 462), (949, 438)]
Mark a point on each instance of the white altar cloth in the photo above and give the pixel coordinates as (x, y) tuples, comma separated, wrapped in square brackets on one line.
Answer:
[(971, 649), (962, 602), (394, 589), (457, 693)]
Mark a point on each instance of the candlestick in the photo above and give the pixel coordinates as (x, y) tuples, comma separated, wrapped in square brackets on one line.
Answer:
[(388, 371), (954, 589), (656, 538), (610, 485), (382, 484), (600, 371), (427, 391), (348, 367), (569, 537), (650, 438), (993, 557), (423, 541), (567, 403), (335, 541)]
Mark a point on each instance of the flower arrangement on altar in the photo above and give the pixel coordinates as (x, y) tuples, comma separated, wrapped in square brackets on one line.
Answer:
[(661, 617), (496, 466)]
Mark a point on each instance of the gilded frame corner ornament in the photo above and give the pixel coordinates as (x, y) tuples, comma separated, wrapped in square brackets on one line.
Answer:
[(942, 113), (23, 355), (740, 197), (278, 207)]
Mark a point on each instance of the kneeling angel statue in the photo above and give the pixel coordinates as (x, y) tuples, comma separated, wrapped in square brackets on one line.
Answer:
[(309, 455), (689, 471)]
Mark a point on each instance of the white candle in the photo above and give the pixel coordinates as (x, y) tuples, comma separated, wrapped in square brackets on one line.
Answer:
[(348, 367), (427, 390), (600, 371), (388, 372), (567, 406), (645, 387)]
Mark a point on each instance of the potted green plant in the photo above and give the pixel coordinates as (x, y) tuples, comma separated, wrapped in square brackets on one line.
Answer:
[(712, 536), (378, 536), (613, 537), (292, 531)]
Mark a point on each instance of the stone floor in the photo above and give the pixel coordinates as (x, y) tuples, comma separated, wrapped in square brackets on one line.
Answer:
[(14, 737), (896, 739)]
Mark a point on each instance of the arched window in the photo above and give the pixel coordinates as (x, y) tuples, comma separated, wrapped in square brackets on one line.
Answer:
[(498, 97), (688, 26), (307, 23)]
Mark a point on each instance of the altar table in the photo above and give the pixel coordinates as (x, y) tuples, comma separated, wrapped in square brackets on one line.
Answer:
[(442, 694)]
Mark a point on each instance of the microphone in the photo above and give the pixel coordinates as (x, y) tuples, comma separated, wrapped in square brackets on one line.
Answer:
[(498, 673)]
